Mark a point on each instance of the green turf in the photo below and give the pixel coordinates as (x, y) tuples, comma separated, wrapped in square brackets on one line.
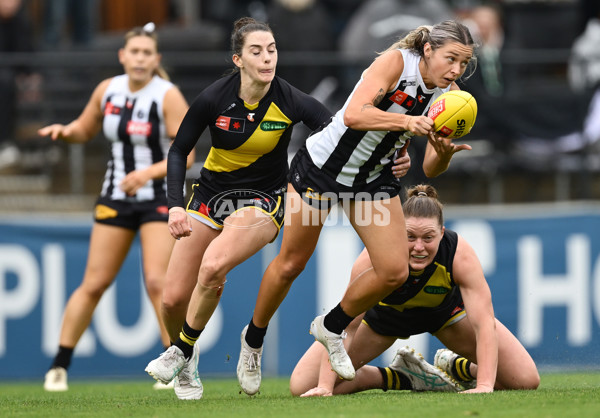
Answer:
[(559, 395)]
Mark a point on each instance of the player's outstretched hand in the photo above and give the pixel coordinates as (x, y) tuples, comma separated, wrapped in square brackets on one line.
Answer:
[(55, 131), (444, 147)]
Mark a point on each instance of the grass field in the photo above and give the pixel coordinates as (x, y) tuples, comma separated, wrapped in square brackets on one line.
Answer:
[(559, 395)]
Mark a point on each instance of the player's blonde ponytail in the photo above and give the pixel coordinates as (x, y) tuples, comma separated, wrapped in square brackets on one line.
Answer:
[(437, 36)]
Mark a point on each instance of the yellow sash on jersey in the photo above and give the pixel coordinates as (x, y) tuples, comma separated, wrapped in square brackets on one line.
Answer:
[(432, 294), (261, 142)]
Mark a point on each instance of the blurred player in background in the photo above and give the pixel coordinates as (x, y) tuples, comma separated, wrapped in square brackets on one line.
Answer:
[(239, 199), (139, 112), (16, 36), (350, 159), (446, 295)]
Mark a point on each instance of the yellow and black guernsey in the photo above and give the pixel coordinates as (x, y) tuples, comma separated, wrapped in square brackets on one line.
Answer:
[(428, 300), (248, 141)]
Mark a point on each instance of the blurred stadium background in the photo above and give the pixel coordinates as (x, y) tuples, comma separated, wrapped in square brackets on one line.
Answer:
[(526, 197)]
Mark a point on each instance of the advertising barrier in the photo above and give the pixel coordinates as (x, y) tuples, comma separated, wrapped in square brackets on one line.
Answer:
[(542, 265)]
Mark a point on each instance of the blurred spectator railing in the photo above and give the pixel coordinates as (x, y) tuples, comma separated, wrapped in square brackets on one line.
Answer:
[(68, 79)]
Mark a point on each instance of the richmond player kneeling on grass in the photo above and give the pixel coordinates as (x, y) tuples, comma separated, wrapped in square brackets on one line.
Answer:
[(446, 295)]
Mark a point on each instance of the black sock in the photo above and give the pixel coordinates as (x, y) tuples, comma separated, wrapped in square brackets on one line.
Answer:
[(393, 380), (63, 357), (336, 320), (461, 369), (255, 336), (187, 338)]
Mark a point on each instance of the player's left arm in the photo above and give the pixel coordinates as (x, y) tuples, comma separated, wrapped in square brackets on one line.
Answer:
[(468, 275), (309, 110), (439, 153), (440, 150)]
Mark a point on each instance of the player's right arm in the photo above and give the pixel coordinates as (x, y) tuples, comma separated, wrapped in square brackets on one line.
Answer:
[(381, 77), (468, 275), (194, 123), (86, 126)]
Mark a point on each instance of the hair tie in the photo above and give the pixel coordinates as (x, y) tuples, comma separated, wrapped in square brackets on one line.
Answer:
[(421, 194), (149, 27)]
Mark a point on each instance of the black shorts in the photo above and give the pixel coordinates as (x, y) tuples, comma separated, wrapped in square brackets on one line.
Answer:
[(322, 192), (212, 207), (130, 214), (385, 320)]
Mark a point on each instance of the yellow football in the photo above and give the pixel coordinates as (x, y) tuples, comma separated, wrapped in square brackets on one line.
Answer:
[(453, 113)]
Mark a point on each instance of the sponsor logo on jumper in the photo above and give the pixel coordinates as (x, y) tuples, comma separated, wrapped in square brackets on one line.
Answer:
[(435, 290), (230, 124), (403, 99), (421, 98), (139, 128), (273, 125), (111, 109), (251, 117)]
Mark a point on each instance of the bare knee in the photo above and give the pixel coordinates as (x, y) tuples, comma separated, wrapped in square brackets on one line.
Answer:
[(212, 272), (291, 268), (534, 382), (295, 389), (529, 380), (94, 291), (172, 303), (393, 276), (301, 381), (154, 286), (526, 378), (287, 266)]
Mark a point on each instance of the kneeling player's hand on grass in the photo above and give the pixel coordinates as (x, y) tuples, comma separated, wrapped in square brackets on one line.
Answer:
[(480, 389), (318, 391)]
